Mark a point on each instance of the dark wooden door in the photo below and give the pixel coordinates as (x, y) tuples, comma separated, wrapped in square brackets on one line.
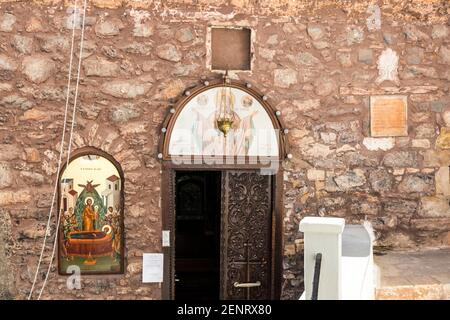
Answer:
[(246, 231)]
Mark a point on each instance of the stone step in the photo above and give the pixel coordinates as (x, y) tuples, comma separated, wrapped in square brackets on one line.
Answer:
[(414, 275), (414, 292)]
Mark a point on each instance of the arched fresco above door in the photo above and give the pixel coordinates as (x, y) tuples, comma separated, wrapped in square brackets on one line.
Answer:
[(193, 129), (91, 209)]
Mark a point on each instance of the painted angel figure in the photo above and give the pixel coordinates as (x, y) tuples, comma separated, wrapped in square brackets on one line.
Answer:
[(243, 134), (203, 131)]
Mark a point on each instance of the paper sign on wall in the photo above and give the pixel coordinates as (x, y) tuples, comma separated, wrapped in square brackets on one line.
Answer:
[(152, 267), (166, 238)]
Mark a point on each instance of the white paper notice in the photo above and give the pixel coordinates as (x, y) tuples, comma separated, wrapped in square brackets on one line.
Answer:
[(152, 267), (166, 238)]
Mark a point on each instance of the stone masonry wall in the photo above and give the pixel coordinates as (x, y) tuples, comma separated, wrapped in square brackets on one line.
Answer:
[(318, 63)]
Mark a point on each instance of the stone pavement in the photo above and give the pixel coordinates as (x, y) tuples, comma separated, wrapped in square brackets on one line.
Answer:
[(414, 275)]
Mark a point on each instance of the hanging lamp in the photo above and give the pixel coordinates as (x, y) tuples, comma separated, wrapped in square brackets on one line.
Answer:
[(225, 107)]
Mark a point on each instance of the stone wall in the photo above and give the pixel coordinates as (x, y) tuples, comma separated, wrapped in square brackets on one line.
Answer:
[(318, 63)]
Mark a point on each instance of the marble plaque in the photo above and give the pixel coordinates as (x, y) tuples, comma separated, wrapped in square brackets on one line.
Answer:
[(388, 116)]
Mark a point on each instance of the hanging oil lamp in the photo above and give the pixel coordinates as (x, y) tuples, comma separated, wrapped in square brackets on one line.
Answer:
[(225, 107)]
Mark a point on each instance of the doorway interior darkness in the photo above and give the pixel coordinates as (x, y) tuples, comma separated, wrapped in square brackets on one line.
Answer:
[(197, 235)]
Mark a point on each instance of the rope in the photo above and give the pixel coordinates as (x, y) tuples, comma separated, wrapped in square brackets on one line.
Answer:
[(47, 230), (69, 143)]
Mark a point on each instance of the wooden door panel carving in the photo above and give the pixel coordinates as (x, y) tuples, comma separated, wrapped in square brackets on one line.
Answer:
[(237, 272), (246, 235)]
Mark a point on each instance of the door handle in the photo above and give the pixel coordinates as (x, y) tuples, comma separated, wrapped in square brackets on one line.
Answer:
[(247, 284)]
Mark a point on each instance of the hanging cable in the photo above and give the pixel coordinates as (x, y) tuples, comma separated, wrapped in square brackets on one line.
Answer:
[(47, 230), (69, 143)]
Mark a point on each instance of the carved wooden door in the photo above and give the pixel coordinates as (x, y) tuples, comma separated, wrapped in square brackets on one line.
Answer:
[(246, 235)]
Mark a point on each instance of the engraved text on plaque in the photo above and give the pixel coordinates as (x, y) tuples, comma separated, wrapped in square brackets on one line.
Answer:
[(388, 116)]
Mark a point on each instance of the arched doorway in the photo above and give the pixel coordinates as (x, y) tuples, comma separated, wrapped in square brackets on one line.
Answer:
[(222, 194)]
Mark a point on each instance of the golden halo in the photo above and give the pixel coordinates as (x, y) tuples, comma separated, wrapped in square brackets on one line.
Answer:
[(107, 227), (202, 100), (246, 101)]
